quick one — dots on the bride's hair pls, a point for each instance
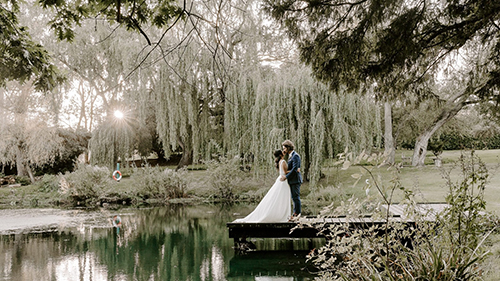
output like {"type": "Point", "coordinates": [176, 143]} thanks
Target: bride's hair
{"type": "Point", "coordinates": [277, 157]}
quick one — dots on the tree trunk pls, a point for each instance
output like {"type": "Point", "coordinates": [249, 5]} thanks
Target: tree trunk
{"type": "Point", "coordinates": [187, 152]}
{"type": "Point", "coordinates": [30, 173]}
{"type": "Point", "coordinates": [21, 168]}
{"type": "Point", "coordinates": [186, 159]}
{"type": "Point", "coordinates": [2, 111]}
{"type": "Point", "coordinates": [452, 107]}
{"type": "Point", "coordinates": [389, 149]}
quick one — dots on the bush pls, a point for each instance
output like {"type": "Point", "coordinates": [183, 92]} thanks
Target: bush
{"type": "Point", "coordinates": [49, 183]}
{"type": "Point", "coordinates": [160, 184]}
{"type": "Point", "coordinates": [224, 175]}
{"type": "Point", "coordinates": [23, 180]}
{"type": "Point", "coordinates": [86, 184]}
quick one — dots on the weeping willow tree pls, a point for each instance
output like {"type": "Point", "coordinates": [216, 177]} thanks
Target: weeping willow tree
{"type": "Point", "coordinates": [265, 107]}
{"type": "Point", "coordinates": [209, 94]}
{"type": "Point", "coordinates": [196, 66]}
{"type": "Point", "coordinates": [113, 141]}
{"type": "Point", "coordinates": [182, 116]}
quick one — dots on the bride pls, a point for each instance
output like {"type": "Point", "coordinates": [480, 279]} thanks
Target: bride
{"type": "Point", "coordinates": [275, 206]}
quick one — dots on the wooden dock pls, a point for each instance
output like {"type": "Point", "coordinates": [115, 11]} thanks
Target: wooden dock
{"type": "Point", "coordinates": [241, 231]}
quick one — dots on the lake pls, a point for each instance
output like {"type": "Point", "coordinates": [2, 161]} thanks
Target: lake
{"type": "Point", "coordinates": [175, 242]}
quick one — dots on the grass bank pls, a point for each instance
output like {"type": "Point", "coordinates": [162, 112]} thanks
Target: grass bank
{"type": "Point", "coordinates": [198, 184]}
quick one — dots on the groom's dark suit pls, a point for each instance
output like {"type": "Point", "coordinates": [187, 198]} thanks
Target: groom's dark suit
{"type": "Point", "coordinates": [294, 180]}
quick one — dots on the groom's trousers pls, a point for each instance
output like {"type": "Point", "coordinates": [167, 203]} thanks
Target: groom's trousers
{"type": "Point", "coordinates": [295, 190]}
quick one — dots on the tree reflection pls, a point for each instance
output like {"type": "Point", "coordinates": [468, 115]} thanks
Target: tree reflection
{"type": "Point", "coordinates": [159, 243]}
{"type": "Point", "coordinates": [168, 243]}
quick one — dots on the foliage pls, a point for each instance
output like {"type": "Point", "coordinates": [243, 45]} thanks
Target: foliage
{"type": "Point", "coordinates": [347, 43]}
{"type": "Point", "coordinates": [458, 141]}
{"type": "Point", "coordinates": [224, 175]}
{"type": "Point", "coordinates": [199, 100]}
{"type": "Point", "coordinates": [436, 146]}
{"type": "Point", "coordinates": [159, 183]}
{"type": "Point", "coordinates": [28, 140]}
{"type": "Point", "coordinates": [23, 59]}
{"type": "Point", "coordinates": [33, 143]}
{"type": "Point", "coordinates": [404, 49]}
{"type": "Point", "coordinates": [111, 141]}
{"type": "Point", "coordinates": [451, 249]}
{"type": "Point", "coordinates": [269, 107]}
{"type": "Point", "coordinates": [73, 144]}
{"type": "Point", "coordinates": [467, 205]}
{"type": "Point", "coordinates": [69, 14]}
{"type": "Point", "coordinates": [86, 184]}
{"type": "Point", "coordinates": [23, 180]}
{"type": "Point", "coordinates": [48, 183]}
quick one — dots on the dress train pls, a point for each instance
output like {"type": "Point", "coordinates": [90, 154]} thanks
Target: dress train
{"type": "Point", "coordinates": [275, 206]}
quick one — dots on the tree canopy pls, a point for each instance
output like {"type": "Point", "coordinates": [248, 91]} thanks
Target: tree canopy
{"type": "Point", "coordinates": [132, 14]}
{"type": "Point", "coordinates": [21, 58]}
{"type": "Point", "coordinates": [396, 43]}
{"type": "Point", "coordinates": [402, 48]}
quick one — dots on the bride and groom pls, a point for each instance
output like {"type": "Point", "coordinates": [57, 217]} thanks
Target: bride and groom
{"type": "Point", "coordinates": [275, 206]}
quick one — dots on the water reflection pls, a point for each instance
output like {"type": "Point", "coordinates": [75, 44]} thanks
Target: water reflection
{"type": "Point", "coordinates": [168, 243]}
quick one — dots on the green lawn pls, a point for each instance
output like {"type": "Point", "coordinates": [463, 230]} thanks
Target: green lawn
{"type": "Point", "coordinates": [427, 182]}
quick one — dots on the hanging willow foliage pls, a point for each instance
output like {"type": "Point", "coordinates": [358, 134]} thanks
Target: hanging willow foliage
{"type": "Point", "coordinates": [187, 107]}
{"type": "Point", "coordinates": [264, 108]}
{"type": "Point", "coordinates": [115, 140]}
{"type": "Point", "coordinates": [238, 107]}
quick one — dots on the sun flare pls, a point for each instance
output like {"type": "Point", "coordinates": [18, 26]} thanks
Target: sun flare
{"type": "Point", "coordinates": [119, 114]}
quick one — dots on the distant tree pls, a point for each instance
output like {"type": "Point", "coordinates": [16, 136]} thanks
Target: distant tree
{"type": "Point", "coordinates": [73, 144]}
{"type": "Point", "coordinates": [27, 140]}
{"type": "Point", "coordinates": [400, 45]}
{"type": "Point", "coordinates": [114, 139]}
{"type": "Point", "coordinates": [268, 106]}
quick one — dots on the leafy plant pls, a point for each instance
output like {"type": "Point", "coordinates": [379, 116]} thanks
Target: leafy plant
{"type": "Point", "coordinates": [86, 184]}
{"type": "Point", "coordinates": [436, 146]}
{"type": "Point", "coordinates": [23, 180]}
{"type": "Point", "coordinates": [160, 183]}
{"type": "Point", "coordinates": [48, 183]}
{"type": "Point", "coordinates": [452, 248]}
{"type": "Point", "coordinates": [224, 175]}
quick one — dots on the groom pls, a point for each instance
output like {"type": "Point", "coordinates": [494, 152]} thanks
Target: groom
{"type": "Point", "coordinates": [294, 177]}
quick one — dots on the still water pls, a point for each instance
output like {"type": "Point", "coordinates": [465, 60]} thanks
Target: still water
{"type": "Point", "coordinates": [164, 243]}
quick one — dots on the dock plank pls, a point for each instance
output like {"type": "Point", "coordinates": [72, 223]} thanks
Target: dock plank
{"type": "Point", "coordinates": [241, 231]}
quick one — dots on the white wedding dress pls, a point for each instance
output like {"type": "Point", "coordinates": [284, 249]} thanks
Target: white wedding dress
{"type": "Point", "coordinates": [275, 206]}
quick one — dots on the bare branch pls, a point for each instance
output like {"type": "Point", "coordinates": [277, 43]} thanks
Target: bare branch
{"type": "Point", "coordinates": [141, 31]}
{"type": "Point", "coordinates": [156, 45]}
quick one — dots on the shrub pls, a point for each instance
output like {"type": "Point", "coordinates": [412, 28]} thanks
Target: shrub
{"type": "Point", "coordinates": [224, 175]}
{"type": "Point", "coordinates": [48, 183]}
{"type": "Point", "coordinates": [160, 183]}
{"type": "Point", "coordinates": [86, 184]}
{"type": "Point", "coordinates": [23, 180]}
